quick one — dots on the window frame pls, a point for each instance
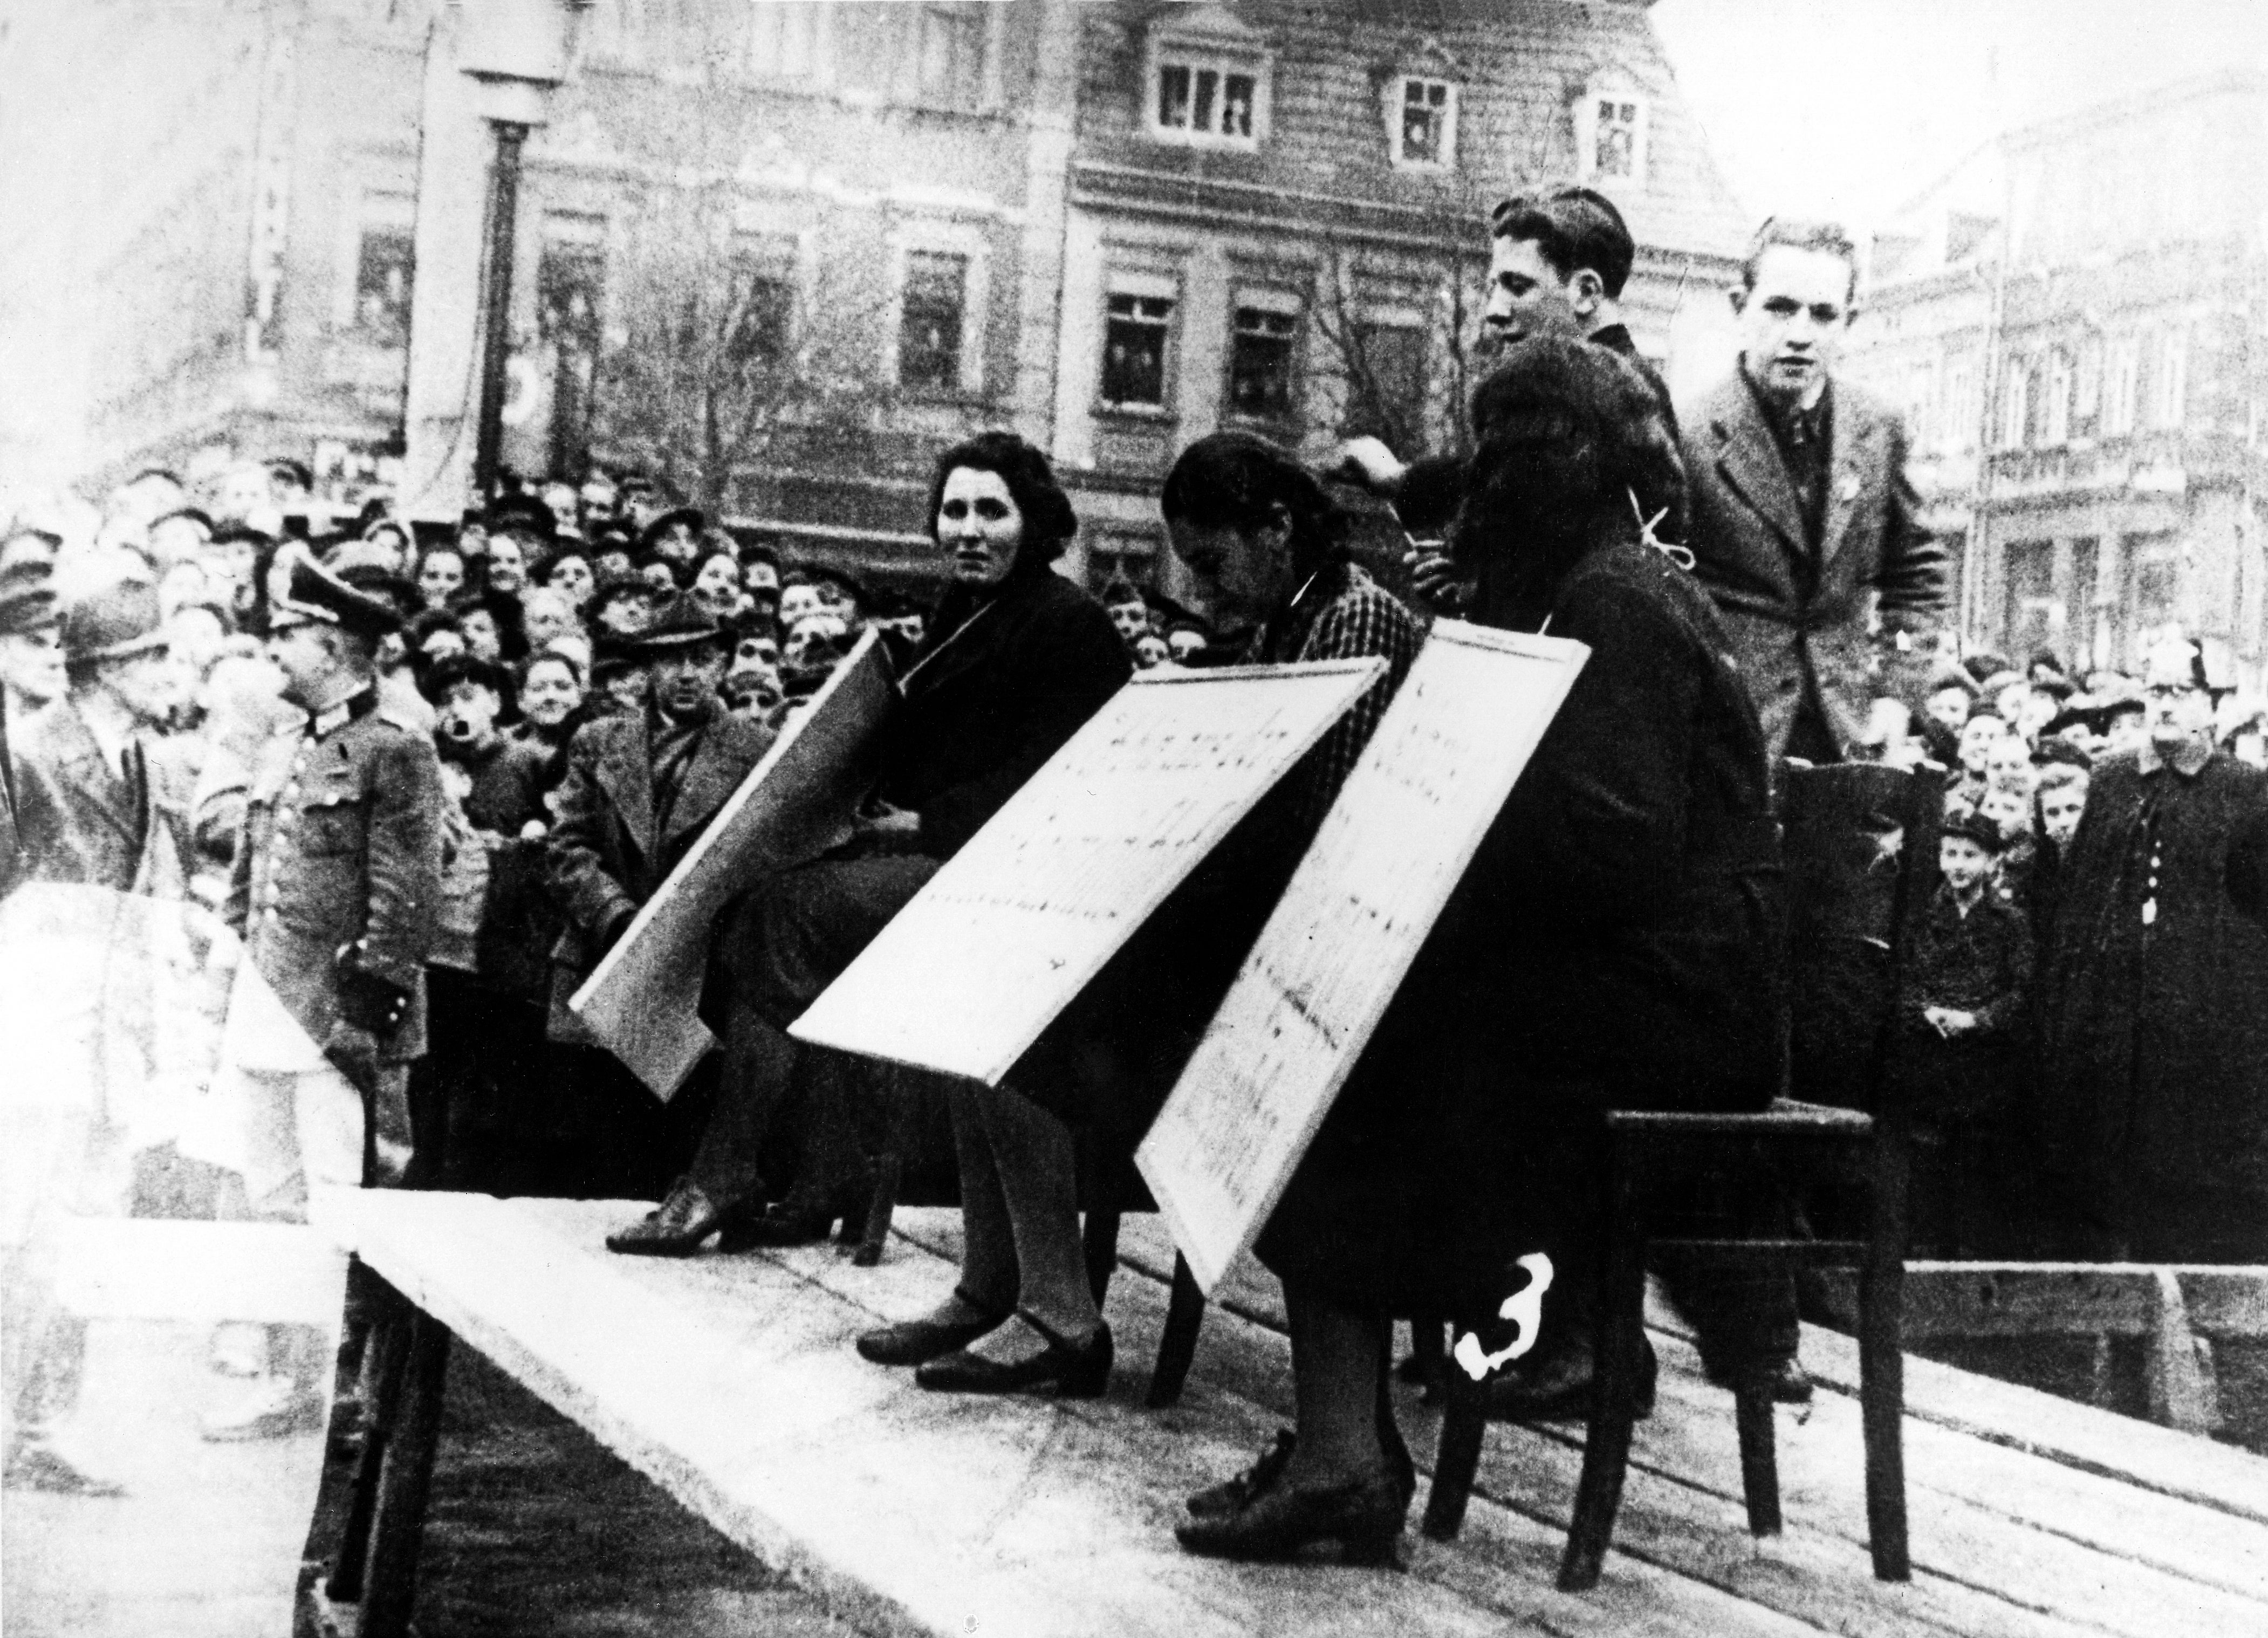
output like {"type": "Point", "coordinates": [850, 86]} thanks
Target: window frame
{"type": "Point", "coordinates": [1124, 284]}
{"type": "Point", "coordinates": [1398, 93]}
{"type": "Point", "coordinates": [820, 44]}
{"type": "Point", "coordinates": [1617, 89]}
{"type": "Point", "coordinates": [944, 238]}
{"type": "Point", "coordinates": [1222, 54]}
{"type": "Point", "coordinates": [1268, 303]}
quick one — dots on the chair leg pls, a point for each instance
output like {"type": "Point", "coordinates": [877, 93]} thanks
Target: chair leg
{"type": "Point", "coordinates": [398, 1530]}
{"type": "Point", "coordinates": [1621, 1345]}
{"type": "Point", "coordinates": [1100, 1243]}
{"type": "Point", "coordinates": [1882, 1362]}
{"type": "Point", "coordinates": [1184, 1313]}
{"type": "Point", "coordinates": [1464, 1424]}
{"type": "Point", "coordinates": [1752, 1412]}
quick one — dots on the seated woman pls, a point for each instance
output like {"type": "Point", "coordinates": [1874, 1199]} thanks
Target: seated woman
{"type": "Point", "coordinates": [1265, 543]}
{"type": "Point", "coordinates": [1017, 659]}
{"type": "Point", "coordinates": [1612, 945]}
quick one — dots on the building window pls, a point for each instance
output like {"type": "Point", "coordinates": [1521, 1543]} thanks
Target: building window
{"type": "Point", "coordinates": [1207, 100]}
{"type": "Point", "coordinates": [1127, 557]}
{"type": "Point", "coordinates": [951, 55]}
{"type": "Point", "coordinates": [1957, 414]}
{"type": "Point", "coordinates": [2169, 382]}
{"type": "Point", "coordinates": [759, 323]}
{"type": "Point", "coordinates": [2016, 401]}
{"type": "Point", "coordinates": [1423, 124]}
{"type": "Point", "coordinates": [785, 39]}
{"type": "Point", "coordinates": [1610, 134]}
{"type": "Point", "coordinates": [929, 331]}
{"type": "Point", "coordinates": [2055, 415]}
{"type": "Point", "coordinates": [2087, 388]}
{"type": "Point", "coordinates": [2035, 615]}
{"type": "Point", "coordinates": [1260, 358]}
{"type": "Point", "coordinates": [1136, 329]}
{"type": "Point", "coordinates": [386, 271]}
{"type": "Point", "coordinates": [2121, 387]}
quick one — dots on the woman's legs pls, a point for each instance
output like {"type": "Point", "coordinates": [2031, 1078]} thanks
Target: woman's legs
{"type": "Point", "coordinates": [1338, 1357]}
{"type": "Point", "coordinates": [1036, 1171]}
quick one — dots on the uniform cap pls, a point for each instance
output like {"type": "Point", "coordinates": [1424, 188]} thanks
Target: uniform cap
{"type": "Point", "coordinates": [300, 591]}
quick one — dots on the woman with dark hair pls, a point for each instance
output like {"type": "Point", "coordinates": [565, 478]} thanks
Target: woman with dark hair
{"type": "Point", "coordinates": [568, 573]}
{"type": "Point", "coordinates": [1612, 945]}
{"type": "Point", "coordinates": [1017, 658]}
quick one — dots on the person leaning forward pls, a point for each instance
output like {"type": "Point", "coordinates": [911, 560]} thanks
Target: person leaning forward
{"type": "Point", "coordinates": [1803, 523]}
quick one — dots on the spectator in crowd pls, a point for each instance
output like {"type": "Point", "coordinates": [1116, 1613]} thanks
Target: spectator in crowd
{"type": "Point", "coordinates": [1187, 643]}
{"type": "Point", "coordinates": [639, 788]}
{"type": "Point", "coordinates": [800, 598]}
{"type": "Point", "coordinates": [568, 573]}
{"type": "Point", "coordinates": [551, 701]}
{"type": "Point", "coordinates": [483, 634]}
{"type": "Point", "coordinates": [506, 574]}
{"type": "Point", "coordinates": [622, 607]}
{"type": "Point", "coordinates": [31, 639]}
{"type": "Point", "coordinates": [717, 585]}
{"type": "Point", "coordinates": [1805, 528]}
{"type": "Point", "coordinates": [2152, 1117]}
{"type": "Point", "coordinates": [842, 594]}
{"type": "Point", "coordinates": [1019, 658]}
{"type": "Point", "coordinates": [2058, 801]}
{"type": "Point", "coordinates": [1968, 981]}
{"type": "Point", "coordinates": [1151, 652]}
{"type": "Point", "coordinates": [474, 704]}
{"type": "Point", "coordinates": [760, 576]}
{"type": "Point", "coordinates": [437, 633]}
{"type": "Point", "coordinates": [1129, 612]}
{"type": "Point", "coordinates": [674, 540]}
{"type": "Point", "coordinates": [2126, 726]}
{"type": "Point", "coordinates": [547, 616]}
{"type": "Point", "coordinates": [440, 577]}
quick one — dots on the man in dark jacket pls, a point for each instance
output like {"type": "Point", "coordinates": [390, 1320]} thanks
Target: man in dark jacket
{"type": "Point", "coordinates": [1803, 524]}
{"type": "Point", "coordinates": [2152, 1112]}
{"type": "Point", "coordinates": [640, 789]}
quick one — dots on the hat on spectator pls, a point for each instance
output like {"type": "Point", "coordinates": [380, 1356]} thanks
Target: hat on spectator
{"type": "Point", "coordinates": [522, 512]}
{"type": "Point", "coordinates": [2052, 751]}
{"type": "Point", "coordinates": [1978, 828]}
{"type": "Point", "coordinates": [452, 669]}
{"type": "Point", "coordinates": [1952, 676]}
{"type": "Point", "coordinates": [683, 625]}
{"type": "Point", "coordinates": [301, 592]}
{"type": "Point", "coordinates": [27, 597]}
{"type": "Point", "coordinates": [113, 612]}
{"type": "Point", "coordinates": [692, 517]}
{"type": "Point", "coordinates": [1985, 708]}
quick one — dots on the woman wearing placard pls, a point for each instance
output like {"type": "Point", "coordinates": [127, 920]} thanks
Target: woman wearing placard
{"type": "Point", "coordinates": [1265, 544]}
{"type": "Point", "coordinates": [1612, 945]}
{"type": "Point", "coordinates": [1018, 657]}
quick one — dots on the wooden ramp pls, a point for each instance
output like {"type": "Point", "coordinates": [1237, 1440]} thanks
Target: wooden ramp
{"type": "Point", "coordinates": [731, 1383]}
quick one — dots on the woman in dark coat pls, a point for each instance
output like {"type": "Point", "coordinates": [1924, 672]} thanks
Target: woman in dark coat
{"type": "Point", "coordinates": [1017, 659]}
{"type": "Point", "coordinates": [1612, 945]}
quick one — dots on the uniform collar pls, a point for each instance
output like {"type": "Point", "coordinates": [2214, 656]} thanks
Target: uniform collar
{"type": "Point", "coordinates": [2189, 758]}
{"type": "Point", "coordinates": [361, 703]}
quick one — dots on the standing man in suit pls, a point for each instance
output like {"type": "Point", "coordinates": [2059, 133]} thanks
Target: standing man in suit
{"type": "Point", "coordinates": [640, 789]}
{"type": "Point", "coordinates": [1803, 526]}
{"type": "Point", "coordinates": [334, 892]}
{"type": "Point", "coordinates": [99, 804]}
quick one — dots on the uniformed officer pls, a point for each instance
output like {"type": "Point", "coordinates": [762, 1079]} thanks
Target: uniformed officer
{"type": "Point", "coordinates": [334, 892]}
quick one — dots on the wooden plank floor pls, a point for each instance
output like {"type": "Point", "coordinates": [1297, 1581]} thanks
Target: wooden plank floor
{"type": "Point", "coordinates": [730, 1381]}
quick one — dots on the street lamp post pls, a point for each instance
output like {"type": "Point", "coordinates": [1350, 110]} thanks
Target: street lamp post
{"type": "Point", "coordinates": [518, 52]}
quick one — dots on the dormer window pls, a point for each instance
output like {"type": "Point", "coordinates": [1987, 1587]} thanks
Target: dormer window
{"type": "Point", "coordinates": [1208, 81]}
{"type": "Point", "coordinates": [1422, 123]}
{"type": "Point", "coordinates": [1610, 130]}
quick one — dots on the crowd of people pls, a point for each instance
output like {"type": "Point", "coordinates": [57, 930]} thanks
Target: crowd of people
{"type": "Point", "coordinates": [430, 777]}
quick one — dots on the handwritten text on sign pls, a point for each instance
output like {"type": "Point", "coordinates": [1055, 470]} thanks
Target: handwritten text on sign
{"type": "Point", "coordinates": [1007, 934]}
{"type": "Point", "coordinates": [1406, 824]}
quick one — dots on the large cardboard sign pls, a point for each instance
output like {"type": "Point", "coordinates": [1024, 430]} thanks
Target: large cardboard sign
{"type": "Point", "coordinates": [640, 1001]}
{"type": "Point", "coordinates": [1004, 937]}
{"type": "Point", "coordinates": [1406, 823]}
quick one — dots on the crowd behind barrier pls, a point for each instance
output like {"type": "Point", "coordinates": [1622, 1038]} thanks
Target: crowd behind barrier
{"type": "Point", "coordinates": [558, 693]}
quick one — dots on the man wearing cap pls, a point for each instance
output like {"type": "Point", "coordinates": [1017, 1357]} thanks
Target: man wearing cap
{"type": "Point", "coordinates": [2152, 1113]}
{"type": "Point", "coordinates": [100, 803]}
{"type": "Point", "coordinates": [640, 789]}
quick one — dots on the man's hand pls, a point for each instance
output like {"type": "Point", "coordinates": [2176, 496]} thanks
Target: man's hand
{"type": "Point", "coordinates": [356, 1053]}
{"type": "Point", "coordinates": [893, 830]}
{"type": "Point", "coordinates": [1435, 579]}
{"type": "Point", "coordinates": [1947, 1022]}
{"type": "Point", "coordinates": [1368, 462]}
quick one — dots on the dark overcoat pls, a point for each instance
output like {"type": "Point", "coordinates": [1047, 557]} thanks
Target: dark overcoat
{"type": "Point", "coordinates": [1798, 626]}
{"type": "Point", "coordinates": [607, 852]}
{"type": "Point", "coordinates": [993, 700]}
{"type": "Point", "coordinates": [1615, 943]}
{"type": "Point", "coordinates": [78, 820]}
{"type": "Point", "coordinates": [341, 852]}
{"type": "Point", "coordinates": [2153, 992]}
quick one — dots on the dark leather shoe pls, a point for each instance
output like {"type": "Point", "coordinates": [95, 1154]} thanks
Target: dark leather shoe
{"type": "Point", "coordinates": [1073, 1372]}
{"type": "Point", "coordinates": [1362, 1516]}
{"type": "Point", "coordinates": [918, 1341]}
{"type": "Point", "coordinates": [1561, 1390]}
{"type": "Point", "coordinates": [677, 1226]}
{"type": "Point", "coordinates": [1233, 1494]}
{"type": "Point", "coordinates": [1791, 1383]}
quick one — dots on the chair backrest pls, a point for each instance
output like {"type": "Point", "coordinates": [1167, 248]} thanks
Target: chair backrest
{"type": "Point", "coordinates": [1860, 844]}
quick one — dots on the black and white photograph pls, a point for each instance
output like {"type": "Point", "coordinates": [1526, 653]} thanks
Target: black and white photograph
{"type": "Point", "coordinates": [1133, 818]}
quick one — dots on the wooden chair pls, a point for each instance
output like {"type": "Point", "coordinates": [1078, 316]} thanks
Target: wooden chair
{"type": "Point", "coordinates": [1853, 905]}
{"type": "Point", "coordinates": [1120, 1186]}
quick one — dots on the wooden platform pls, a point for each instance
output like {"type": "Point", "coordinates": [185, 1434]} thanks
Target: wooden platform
{"type": "Point", "coordinates": [731, 1383]}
